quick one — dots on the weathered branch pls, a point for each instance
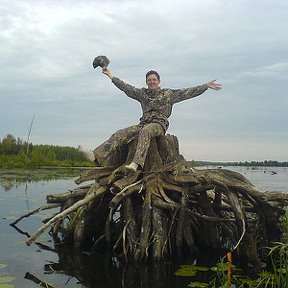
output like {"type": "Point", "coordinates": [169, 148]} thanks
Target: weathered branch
{"type": "Point", "coordinates": [61, 215]}
{"type": "Point", "coordinates": [45, 207]}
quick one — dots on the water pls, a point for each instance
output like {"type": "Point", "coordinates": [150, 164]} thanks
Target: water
{"type": "Point", "coordinates": [16, 200]}
{"type": "Point", "coordinates": [264, 178]}
{"type": "Point", "coordinates": [73, 269]}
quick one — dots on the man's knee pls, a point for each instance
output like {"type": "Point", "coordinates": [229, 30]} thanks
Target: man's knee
{"type": "Point", "coordinates": [152, 130]}
{"type": "Point", "coordinates": [126, 133]}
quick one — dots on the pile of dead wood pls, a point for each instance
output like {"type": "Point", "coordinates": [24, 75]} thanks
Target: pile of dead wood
{"type": "Point", "coordinates": [166, 210]}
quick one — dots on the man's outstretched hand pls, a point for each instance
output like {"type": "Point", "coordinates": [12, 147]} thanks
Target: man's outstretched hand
{"type": "Point", "coordinates": [107, 72]}
{"type": "Point", "coordinates": [213, 85]}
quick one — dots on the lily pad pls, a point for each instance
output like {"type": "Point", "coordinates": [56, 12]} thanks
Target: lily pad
{"type": "Point", "coordinates": [195, 268]}
{"type": "Point", "coordinates": [5, 279]}
{"type": "Point", "coordinates": [3, 266]}
{"type": "Point", "coordinates": [198, 285]}
{"type": "Point", "coordinates": [185, 272]}
{"type": "Point", "coordinates": [189, 270]}
{"type": "Point", "coordinates": [221, 267]}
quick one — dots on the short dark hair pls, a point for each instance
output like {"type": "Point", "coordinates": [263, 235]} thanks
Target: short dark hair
{"type": "Point", "coordinates": [153, 72]}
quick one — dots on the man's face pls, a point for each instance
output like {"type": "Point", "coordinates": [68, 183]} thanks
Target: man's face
{"type": "Point", "coordinates": [152, 82]}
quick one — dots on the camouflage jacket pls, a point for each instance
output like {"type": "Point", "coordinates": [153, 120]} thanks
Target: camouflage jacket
{"type": "Point", "coordinates": [157, 105]}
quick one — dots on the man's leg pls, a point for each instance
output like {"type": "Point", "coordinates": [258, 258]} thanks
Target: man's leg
{"type": "Point", "coordinates": [119, 138]}
{"type": "Point", "coordinates": [144, 139]}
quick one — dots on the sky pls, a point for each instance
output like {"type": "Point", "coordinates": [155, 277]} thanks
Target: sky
{"type": "Point", "coordinates": [47, 49]}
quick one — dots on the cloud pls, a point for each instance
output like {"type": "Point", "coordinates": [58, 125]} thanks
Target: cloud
{"type": "Point", "coordinates": [46, 54]}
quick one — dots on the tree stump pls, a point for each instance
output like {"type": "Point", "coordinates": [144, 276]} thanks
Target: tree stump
{"type": "Point", "coordinates": [166, 210]}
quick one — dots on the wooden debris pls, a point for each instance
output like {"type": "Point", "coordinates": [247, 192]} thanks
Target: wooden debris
{"type": "Point", "coordinates": [167, 210]}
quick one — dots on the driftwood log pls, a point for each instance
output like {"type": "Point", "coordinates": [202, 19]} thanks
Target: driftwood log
{"type": "Point", "coordinates": [166, 210]}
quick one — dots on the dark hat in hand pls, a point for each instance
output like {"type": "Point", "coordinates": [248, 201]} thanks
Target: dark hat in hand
{"type": "Point", "coordinates": [101, 61]}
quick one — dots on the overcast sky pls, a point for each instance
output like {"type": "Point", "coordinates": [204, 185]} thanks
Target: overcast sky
{"type": "Point", "coordinates": [47, 49]}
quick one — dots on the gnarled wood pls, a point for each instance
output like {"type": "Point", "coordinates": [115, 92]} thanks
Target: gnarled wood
{"type": "Point", "coordinates": [167, 209]}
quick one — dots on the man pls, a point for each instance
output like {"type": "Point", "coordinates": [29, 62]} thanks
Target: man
{"type": "Point", "coordinates": [156, 104]}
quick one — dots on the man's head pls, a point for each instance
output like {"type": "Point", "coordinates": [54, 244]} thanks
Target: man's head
{"type": "Point", "coordinates": [152, 80]}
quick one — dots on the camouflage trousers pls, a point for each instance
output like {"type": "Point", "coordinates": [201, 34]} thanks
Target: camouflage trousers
{"type": "Point", "coordinates": [144, 132]}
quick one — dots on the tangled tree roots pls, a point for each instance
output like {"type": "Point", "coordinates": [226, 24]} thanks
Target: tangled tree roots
{"type": "Point", "coordinates": [166, 210]}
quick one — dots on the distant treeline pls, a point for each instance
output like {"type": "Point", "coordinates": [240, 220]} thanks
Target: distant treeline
{"type": "Point", "coordinates": [18, 153]}
{"type": "Point", "coordinates": [265, 163]}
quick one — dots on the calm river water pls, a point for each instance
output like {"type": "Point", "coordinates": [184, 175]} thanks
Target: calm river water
{"type": "Point", "coordinates": [19, 195]}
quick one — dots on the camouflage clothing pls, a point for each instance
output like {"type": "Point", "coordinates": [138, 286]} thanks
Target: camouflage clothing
{"type": "Point", "coordinates": [157, 108]}
{"type": "Point", "coordinates": [126, 135]}
{"type": "Point", "coordinates": [157, 105]}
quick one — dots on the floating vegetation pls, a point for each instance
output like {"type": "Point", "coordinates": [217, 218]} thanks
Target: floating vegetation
{"type": "Point", "coordinates": [13, 177]}
{"type": "Point", "coordinates": [221, 267]}
{"type": "Point", "coordinates": [198, 285]}
{"type": "Point", "coordinates": [189, 270]}
{"type": "Point", "coordinates": [220, 275]}
{"type": "Point", "coordinates": [5, 280]}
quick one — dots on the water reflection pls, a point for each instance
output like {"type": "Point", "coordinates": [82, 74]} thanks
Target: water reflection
{"type": "Point", "coordinates": [103, 271]}
{"type": "Point", "coordinates": [90, 271]}
{"type": "Point", "coordinates": [106, 271]}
